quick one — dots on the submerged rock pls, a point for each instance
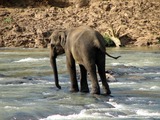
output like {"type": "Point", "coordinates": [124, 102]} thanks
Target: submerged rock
{"type": "Point", "coordinates": [12, 81]}
{"type": "Point", "coordinates": [1, 75]}
{"type": "Point", "coordinates": [110, 78]}
{"type": "Point", "coordinates": [23, 116]}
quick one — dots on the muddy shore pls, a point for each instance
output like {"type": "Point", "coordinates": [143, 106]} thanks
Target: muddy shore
{"type": "Point", "coordinates": [30, 26]}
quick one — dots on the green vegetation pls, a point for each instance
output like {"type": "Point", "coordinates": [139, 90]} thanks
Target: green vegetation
{"type": "Point", "coordinates": [8, 20]}
{"type": "Point", "coordinates": [109, 42]}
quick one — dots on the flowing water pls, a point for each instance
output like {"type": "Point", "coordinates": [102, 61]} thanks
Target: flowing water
{"type": "Point", "coordinates": [27, 90]}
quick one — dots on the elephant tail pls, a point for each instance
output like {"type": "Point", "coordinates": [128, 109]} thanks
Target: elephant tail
{"type": "Point", "coordinates": [100, 43]}
{"type": "Point", "coordinates": [112, 56]}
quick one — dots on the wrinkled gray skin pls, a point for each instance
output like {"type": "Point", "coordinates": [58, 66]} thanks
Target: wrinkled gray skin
{"type": "Point", "coordinates": [83, 46]}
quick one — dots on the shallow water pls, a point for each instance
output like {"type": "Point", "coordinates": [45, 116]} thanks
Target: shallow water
{"type": "Point", "coordinates": [28, 91]}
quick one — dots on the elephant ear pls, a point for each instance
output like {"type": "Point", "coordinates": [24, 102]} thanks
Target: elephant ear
{"type": "Point", "coordinates": [62, 38]}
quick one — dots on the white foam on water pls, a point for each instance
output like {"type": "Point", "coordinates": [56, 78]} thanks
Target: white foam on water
{"type": "Point", "coordinates": [116, 105]}
{"type": "Point", "coordinates": [86, 114]}
{"type": "Point", "coordinates": [151, 88]}
{"type": "Point", "coordinates": [139, 63]}
{"type": "Point", "coordinates": [143, 89]}
{"type": "Point", "coordinates": [142, 112]}
{"type": "Point", "coordinates": [155, 88]}
{"type": "Point", "coordinates": [151, 73]}
{"type": "Point", "coordinates": [122, 83]}
{"type": "Point", "coordinates": [2, 79]}
{"type": "Point", "coordinates": [115, 64]}
{"type": "Point", "coordinates": [12, 107]}
{"type": "Point", "coordinates": [29, 59]}
{"type": "Point", "coordinates": [108, 114]}
{"type": "Point", "coordinates": [81, 115]}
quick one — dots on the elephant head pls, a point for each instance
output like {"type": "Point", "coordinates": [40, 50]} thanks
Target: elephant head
{"type": "Point", "coordinates": [57, 44]}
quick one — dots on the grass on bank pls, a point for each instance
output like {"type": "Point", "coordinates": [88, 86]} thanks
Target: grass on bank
{"type": "Point", "coordinates": [109, 42]}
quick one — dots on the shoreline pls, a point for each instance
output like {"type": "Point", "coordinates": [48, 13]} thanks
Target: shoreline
{"type": "Point", "coordinates": [30, 27]}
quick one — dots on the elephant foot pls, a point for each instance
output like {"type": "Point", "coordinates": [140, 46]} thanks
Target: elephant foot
{"type": "Point", "coordinates": [107, 92]}
{"type": "Point", "coordinates": [95, 91]}
{"type": "Point", "coordinates": [85, 90]}
{"type": "Point", "coordinates": [74, 90]}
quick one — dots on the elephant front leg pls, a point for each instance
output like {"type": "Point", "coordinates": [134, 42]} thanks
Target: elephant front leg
{"type": "Point", "coordinates": [83, 79]}
{"type": "Point", "coordinates": [72, 71]}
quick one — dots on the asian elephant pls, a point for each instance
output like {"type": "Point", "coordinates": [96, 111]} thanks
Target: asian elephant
{"type": "Point", "coordinates": [83, 46]}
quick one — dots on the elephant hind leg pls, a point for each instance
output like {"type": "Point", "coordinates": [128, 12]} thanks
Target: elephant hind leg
{"type": "Point", "coordinates": [101, 71]}
{"type": "Point", "coordinates": [83, 79]}
{"type": "Point", "coordinates": [91, 68]}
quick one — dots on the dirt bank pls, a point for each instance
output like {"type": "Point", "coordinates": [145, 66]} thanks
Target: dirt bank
{"type": "Point", "coordinates": [29, 25]}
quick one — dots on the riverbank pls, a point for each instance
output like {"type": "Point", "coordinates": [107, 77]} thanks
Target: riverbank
{"type": "Point", "coordinates": [30, 26]}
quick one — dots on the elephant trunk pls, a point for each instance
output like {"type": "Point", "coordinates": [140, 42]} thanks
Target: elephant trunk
{"type": "Point", "coordinates": [54, 67]}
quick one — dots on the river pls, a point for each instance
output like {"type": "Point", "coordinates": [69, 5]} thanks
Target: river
{"type": "Point", "coordinates": [27, 90]}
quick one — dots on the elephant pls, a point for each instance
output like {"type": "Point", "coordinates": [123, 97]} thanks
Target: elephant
{"type": "Point", "coordinates": [86, 47]}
